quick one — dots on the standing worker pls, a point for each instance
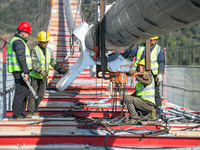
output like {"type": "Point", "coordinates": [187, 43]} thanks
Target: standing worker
{"type": "Point", "coordinates": [18, 62]}
{"type": "Point", "coordinates": [143, 99]}
{"type": "Point", "coordinates": [42, 58]}
{"type": "Point", "coordinates": [157, 65]}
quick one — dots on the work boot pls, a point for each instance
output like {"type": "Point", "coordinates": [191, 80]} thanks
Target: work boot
{"type": "Point", "coordinates": [29, 115]}
{"type": "Point", "coordinates": [153, 114]}
{"type": "Point", "coordinates": [35, 114]}
{"type": "Point", "coordinates": [134, 121]}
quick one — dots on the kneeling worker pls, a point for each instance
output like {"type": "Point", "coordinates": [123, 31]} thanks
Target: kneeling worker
{"type": "Point", "coordinates": [143, 99]}
{"type": "Point", "coordinates": [42, 58]}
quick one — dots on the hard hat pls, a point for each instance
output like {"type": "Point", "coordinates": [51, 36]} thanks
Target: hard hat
{"type": "Point", "coordinates": [24, 26]}
{"type": "Point", "coordinates": [142, 62]}
{"type": "Point", "coordinates": [42, 36]}
{"type": "Point", "coordinates": [154, 38]}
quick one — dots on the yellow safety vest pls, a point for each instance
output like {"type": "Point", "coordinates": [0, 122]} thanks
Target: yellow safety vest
{"type": "Point", "coordinates": [146, 93]}
{"type": "Point", "coordinates": [154, 56]}
{"type": "Point", "coordinates": [41, 61]}
{"type": "Point", "coordinates": [12, 62]}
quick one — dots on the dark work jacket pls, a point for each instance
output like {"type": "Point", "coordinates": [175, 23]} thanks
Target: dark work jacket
{"type": "Point", "coordinates": [19, 48]}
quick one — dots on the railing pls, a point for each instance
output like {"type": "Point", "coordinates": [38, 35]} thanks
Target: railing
{"type": "Point", "coordinates": [182, 86]}
{"type": "Point", "coordinates": [6, 83]}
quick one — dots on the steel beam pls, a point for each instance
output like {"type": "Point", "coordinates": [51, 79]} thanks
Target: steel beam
{"type": "Point", "coordinates": [100, 114]}
{"type": "Point", "coordinates": [114, 141]}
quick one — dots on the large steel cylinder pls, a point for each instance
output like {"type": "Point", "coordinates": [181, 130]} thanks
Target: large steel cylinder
{"type": "Point", "coordinates": [130, 21]}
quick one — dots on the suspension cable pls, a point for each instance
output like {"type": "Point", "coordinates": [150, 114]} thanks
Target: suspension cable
{"type": "Point", "coordinates": [71, 39]}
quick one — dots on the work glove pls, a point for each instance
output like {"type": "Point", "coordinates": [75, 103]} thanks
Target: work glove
{"type": "Point", "coordinates": [159, 78]}
{"type": "Point", "coordinates": [44, 74]}
{"type": "Point", "coordinates": [131, 72]}
{"type": "Point", "coordinates": [62, 71]}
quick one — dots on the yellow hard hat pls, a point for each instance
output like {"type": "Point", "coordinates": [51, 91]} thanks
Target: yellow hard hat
{"type": "Point", "coordinates": [142, 62]}
{"type": "Point", "coordinates": [154, 38]}
{"type": "Point", "coordinates": [42, 36]}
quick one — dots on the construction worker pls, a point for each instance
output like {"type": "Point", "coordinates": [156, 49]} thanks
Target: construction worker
{"type": "Point", "coordinates": [42, 58]}
{"type": "Point", "coordinates": [18, 62]}
{"type": "Point", "coordinates": [157, 65]}
{"type": "Point", "coordinates": [143, 99]}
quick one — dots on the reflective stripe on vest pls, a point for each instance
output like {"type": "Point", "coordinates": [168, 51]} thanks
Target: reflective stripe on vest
{"type": "Point", "coordinates": [41, 61]}
{"type": "Point", "coordinates": [154, 62]}
{"type": "Point", "coordinates": [138, 57]}
{"type": "Point", "coordinates": [12, 62]}
{"type": "Point", "coordinates": [154, 55]}
{"type": "Point", "coordinates": [146, 93]}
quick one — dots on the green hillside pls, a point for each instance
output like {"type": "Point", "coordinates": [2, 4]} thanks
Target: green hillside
{"type": "Point", "coordinates": [187, 40]}
{"type": "Point", "coordinates": [12, 12]}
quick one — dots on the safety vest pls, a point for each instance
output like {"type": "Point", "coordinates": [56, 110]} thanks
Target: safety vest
{"type": "Point", "coordinates": [146, 93]}
{"type": "Point", "coordinates": [154, 56]}
{"type": "Point", "coordinates": [12, 62]}
{"type": "Point", "coordinates": [41, 61]}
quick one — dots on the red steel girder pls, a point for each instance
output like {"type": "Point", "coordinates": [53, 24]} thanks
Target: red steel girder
{"type": "Point", "coordinates": [115, 127]}
{"type": "Point", "coordinates": [115, 141]}
{"type": "Point", "coordinates": [100, 114]}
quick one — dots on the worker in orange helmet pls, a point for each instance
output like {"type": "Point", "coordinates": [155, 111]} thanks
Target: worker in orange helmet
{"type": "Point", "coordinates": [157, 65]}
{"type": "Point", "coordinates": [19, 61]}
{"type": "Point", "coordinates": [42, 58]}
{"type": "Point", "coordinates": [143, 99]}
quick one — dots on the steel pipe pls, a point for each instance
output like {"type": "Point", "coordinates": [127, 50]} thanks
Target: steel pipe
{"type": "Point", "coordinates": [130, 21]}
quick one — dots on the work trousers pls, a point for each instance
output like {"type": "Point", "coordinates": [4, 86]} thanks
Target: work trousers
{"type": "Point", "coordinates": [20, 98]}
{"type": "Point", "coordinates": [135, 104]}
{"type": "Point", "coordinates": [157, 97]}
{"type": "Point", "coordinates": [39, 85]}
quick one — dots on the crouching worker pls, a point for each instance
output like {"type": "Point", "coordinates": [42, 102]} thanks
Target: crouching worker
{"type": "Point", "coordinates": [143, 99]}
{"type": "Point", "coordinates": [42, 58]}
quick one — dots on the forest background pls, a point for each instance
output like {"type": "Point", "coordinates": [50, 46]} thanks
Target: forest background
{"type": "Point", "coordinates": [183, 45]}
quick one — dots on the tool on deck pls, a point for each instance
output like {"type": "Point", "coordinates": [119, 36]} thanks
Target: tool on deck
{"type": "Point", "coordinates": [30, 87]}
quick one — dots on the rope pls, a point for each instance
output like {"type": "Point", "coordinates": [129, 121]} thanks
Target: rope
{"type": "Point", "coordinates": [185, 47]}
{"type": "Point", "coordinates": [6, 42]}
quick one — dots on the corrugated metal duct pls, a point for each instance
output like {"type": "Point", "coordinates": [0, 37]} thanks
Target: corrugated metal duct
{"type": "Point", "coordinates": [130, 21]}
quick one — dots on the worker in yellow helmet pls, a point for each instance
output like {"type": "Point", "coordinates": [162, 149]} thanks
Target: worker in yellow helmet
{"type": "Point", "coordinates": [143, 99]}
{"type": "Point", "coordinates": [154, 38]}
{"type": "Point", "coordinates": [157, 65]}
{"type": "Point", "coordinates": [42, 59]}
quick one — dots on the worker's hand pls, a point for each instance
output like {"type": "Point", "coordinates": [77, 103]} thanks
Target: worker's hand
{"type": "Point", "coordinates": [44, 74]}
{"type": "Point", "coordinates": [131, 72]}
{"type": "Point", "coordinates": [159, 78]}
{"type": "Point", "coordinates": [25, 77]}
{"type": "Point", "coordinates": [62, 71]}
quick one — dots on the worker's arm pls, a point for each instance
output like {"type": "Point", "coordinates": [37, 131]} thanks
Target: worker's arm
{"type": "Point", "coordinates": [35, 61]}
{"type": "Point", "coordinates": [161, 61]}
{"type": "Point", "coordinates": [56, 65]}
{"type": "Point", "coordinates": [19, 48]}
{"type": "Point", "coordinates": [144, 81]}
{"type": "Point", "coordinates": [130, 53]}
